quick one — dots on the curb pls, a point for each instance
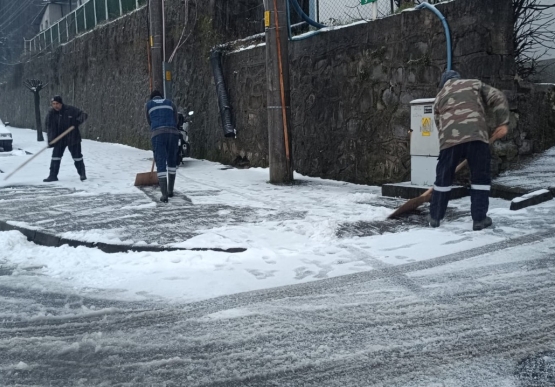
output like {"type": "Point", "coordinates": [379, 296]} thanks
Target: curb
{"type": "Point", "coordinates": [506, 192]}
{"type": "Point", "coordinates": [531, 199]}
{"type": "Point", "coordinates": [404, 191]}
{"type": "Point", "coordinates": [49, 240]}
{"type": "Point", "coordinates": [500, 191]}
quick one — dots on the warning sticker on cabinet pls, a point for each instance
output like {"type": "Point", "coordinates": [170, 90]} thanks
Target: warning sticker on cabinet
{"type": "Point", "coordinates": [426, 128]}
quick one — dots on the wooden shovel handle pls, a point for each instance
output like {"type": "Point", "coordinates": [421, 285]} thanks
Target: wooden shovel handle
{"type": "Point", "coordinates": [459, 167]}
{"type": "Point", "coordinates": [61, 136]}
{"type": "Point", "coordinates": [428, 192]}
{"type": "Point", "coordinates": [42, 150]}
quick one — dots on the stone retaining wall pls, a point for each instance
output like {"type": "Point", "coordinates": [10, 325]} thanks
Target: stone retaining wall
{"type": "Point", "coordinates": [351, 86]}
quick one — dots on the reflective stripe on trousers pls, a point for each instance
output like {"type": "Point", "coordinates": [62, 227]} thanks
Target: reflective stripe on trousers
{"type": "Point", "coordinates": [165, 146]}
{"type": "Point", "coordinates": [479, 158]}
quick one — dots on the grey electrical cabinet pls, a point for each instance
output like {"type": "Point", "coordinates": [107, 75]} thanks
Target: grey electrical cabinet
{"type": "Point", "coordinates": [424, 142]}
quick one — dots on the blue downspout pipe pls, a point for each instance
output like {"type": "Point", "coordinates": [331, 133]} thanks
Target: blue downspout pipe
{"type": "Point", "coordinates": [304, 16]}
{"type": "Point", "coordinates": [289, 30]}
{"type": "Point", "coordinates": [447, 31]}
{"type": "Point", "coordinates": [291, 37]}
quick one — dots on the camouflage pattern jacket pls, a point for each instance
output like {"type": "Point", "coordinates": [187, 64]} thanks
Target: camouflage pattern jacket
{"type": "Point", "coordinates": [461, 110]}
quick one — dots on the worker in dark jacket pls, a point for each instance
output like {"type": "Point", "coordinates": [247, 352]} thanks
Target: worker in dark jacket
{"type": "Point", "coordinates": [60, 118]}
{"type": "Point", "coordinates": [161, 115]}
{"type": "Point", "coordinates": [461, 109]}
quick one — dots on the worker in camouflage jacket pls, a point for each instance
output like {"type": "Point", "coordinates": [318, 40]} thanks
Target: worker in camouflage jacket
{"type": "Point", "coordinates": [461, 108]}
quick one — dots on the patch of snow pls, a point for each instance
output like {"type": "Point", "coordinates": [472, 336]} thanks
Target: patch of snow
{"type": "Point", "coordinates": [280, 251]}
{"type": "Point", "coordinates": [530, 195]}
{"type": "Point", "coordinates": [21, 366]}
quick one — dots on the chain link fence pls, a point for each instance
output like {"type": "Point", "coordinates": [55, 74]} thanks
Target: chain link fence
{"type": "Point", "coordinates": [246, 19]}
{"type": "Point", "coordinates": [82, 19]}
{"type": "Point", "coordinates": [342, 12]}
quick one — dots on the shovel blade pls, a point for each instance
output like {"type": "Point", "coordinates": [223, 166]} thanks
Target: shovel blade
{"type": "Point", "coordinates": [411, 205]}
{"type": "Point", "coordinates": [146, 179]}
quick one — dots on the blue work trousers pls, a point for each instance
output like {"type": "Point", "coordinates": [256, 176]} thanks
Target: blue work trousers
{"type": "Point", "coordinates": [479, 161]}
{"type": "Point", "coordinates": [164, 147]}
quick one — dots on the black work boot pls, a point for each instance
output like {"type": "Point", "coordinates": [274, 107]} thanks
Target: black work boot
{"type": "Point", "coordinates": [171, 183]}
{"type": "Point", "coordinates": [54, 169]}
{"type": "Point", "coordinates": [163, 181]}
{"type": "Point", "coordinates": [433, 223]}
{"type": "Point", "coordinates": [480, 225]}
{"type": "Point", "coordinates": [80, 166]}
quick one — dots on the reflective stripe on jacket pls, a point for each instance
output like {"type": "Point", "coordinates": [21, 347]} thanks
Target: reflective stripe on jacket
{"type": "Point", "coordinates": [161, 113]}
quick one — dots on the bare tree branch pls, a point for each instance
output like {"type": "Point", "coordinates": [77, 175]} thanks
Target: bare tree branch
{"type": "Point", "coordinates": [534, 35]}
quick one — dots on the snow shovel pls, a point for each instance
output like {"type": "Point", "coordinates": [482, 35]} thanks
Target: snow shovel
{"type": "Point", "coordinates": [147, 178]}
{"type": "Point", "coordinates": [426, 197]}
{"type": "Point", "coordinates": [42, 150]}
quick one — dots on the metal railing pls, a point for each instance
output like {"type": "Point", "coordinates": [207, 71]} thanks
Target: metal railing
{"type": "Point", "coordinates": [95, 12]}
{"type": "Point", "coordinates": [80, 20]}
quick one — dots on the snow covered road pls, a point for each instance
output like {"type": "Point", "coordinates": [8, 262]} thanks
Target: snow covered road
{"type": "Point", "coordinates": [483, 318]}
{"type": "Point", "coordinates": [326, 291]}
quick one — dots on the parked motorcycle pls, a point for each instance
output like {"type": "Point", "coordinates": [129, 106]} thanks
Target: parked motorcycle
{"type": "Point", "coordinates": [183, 125]}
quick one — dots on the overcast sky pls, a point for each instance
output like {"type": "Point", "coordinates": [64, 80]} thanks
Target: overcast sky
{"type": "Point", "coordinates": [551, 53]}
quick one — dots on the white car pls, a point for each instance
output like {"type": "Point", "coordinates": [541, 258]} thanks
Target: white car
{"type": "Point", "coordinates": [6, 140]}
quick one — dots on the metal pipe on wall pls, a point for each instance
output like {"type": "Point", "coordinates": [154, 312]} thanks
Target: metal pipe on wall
{"type": "Point", "coordinates": [445, 26]}
{"type": "Point", "coordinates": [163, 30]}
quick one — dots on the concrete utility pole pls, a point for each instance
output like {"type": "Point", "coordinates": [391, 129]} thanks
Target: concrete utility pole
{"type": "Point", "coordinates": [279, 105]}
{"type": "Point", "coordinates": [156, 41]}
